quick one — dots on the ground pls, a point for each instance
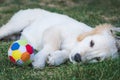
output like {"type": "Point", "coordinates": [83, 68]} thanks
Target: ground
{"type": "Point", "coordinates": [91, 12]}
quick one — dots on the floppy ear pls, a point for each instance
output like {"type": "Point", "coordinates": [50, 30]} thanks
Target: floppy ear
{"type": "Point", "coordinates": [118, 44]}
{"type": "Point", "coordinates": [117, 38]}
{"type": "Point", "coordinates": [97, 30]}
{"type": "Point", "coordinates": [116, 29]}
{"type": "Point", "coordinates": [82, 36]}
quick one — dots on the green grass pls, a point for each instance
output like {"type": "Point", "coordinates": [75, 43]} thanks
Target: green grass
{"type": "Point", "coordinates": [91, 12]}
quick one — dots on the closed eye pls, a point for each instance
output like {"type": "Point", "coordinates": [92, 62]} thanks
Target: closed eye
{"type": "Point", "coordinates": [92, 43]}
{"type": "Point", "coordinates": [97, 58]}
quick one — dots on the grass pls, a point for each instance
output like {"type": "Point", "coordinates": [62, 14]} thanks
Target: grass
{"type": "Point", "coordinates": [91, 12]}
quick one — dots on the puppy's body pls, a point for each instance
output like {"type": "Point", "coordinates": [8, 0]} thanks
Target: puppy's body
{"type": "Point", "coordinates": [58, 37]}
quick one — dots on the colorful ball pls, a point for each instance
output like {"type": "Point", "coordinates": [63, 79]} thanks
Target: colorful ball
{"type": "Point", "coordinates": [21, 52]}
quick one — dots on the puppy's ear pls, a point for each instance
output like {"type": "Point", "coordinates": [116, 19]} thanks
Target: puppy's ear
{"type": "Point", "coordinates": [116, 33]}
{"type": "Point", "coordinates": [118, 44]}
{"type": "Point", "coordinates": [116, 29]}
{"type": "Point", "coordinates": [86, 34]}
{"type": "Point", "coordinates": [82, 36]}
{"type": "Point", "coordinates": [98, 30]}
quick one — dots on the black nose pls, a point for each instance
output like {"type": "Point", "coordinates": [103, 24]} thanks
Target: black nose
{"type": "Point", "coordinates": [77, 57]}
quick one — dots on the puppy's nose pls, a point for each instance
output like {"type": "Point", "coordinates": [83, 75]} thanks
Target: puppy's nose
{"type": "Point", "coordinates": [77, 57]}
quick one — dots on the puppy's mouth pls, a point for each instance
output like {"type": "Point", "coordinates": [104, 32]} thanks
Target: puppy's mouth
{"type": "Point", "coordinates": [77, 58]}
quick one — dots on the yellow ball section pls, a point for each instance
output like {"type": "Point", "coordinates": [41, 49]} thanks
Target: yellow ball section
{"type": "Point", "coordinates": [16, 54]}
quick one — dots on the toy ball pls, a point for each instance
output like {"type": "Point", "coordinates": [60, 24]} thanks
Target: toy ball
{"type": "Point", "coordinates": [21, 52]}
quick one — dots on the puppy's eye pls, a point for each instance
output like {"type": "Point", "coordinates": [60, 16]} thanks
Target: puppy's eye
{"type": "Point", "coordinates": [98, 58]}
{"type": "Point", "coordinates": [92, 43]}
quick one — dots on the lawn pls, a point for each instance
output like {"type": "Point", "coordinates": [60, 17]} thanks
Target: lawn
{"type": "Point", "coordinates": [91, 12]}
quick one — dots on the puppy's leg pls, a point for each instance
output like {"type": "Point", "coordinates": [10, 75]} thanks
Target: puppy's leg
{"type": "Point", "coordinates": [51, 42]}
{"type": "Point", "coordinates": [40, 57]}
{"type": "Point", "coordinates": [58, 57]}
{"type": "Point", "coordinates": [18, 22]}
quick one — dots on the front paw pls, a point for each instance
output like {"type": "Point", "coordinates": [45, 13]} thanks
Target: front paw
{"type": "Point", "coordinates": [55, 58]}
{"type": "Point", "coordinates": [51, 60]}
{"type": "Point", "coordinates": [38, 62]}
{"type": "Point", "coordinates": [38, 65]}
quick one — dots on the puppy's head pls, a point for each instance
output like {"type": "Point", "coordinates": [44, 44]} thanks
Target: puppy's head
{"type": "Point", "coordinates": [95, 46]}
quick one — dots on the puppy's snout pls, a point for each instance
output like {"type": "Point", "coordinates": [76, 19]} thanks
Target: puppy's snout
{"type": "Point", "coordinates": [77, 57]}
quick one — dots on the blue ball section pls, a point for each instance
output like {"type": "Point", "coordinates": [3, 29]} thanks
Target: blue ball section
{"type": "Point", "coordinates": [15, 46]}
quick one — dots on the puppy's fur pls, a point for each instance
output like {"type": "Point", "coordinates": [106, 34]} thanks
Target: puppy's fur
{"type": "Point", "coordinates": [58, 37]}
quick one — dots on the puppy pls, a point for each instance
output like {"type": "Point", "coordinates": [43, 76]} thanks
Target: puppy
{"type": "Point", "coordinates": [58, 37]}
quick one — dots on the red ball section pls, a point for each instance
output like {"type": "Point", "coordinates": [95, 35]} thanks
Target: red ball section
{"type": "Point", "coordinates": [12, 59]}
{"type": "Point", "coordinates": [29, 49]}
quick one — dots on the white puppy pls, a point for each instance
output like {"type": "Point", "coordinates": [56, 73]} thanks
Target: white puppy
{"type": "Point", "coordinates": [58, 37]}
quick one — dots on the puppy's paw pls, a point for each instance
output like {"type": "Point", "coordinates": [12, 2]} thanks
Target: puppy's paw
{"type": "Point", "coordinates": [38, 62]}
{"type": "Point", "coordinates": [38, 65]}
{"type": "Point", "coordinates": [55, 58]}
{"type": "Point", "coordinates": [50, 60]}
